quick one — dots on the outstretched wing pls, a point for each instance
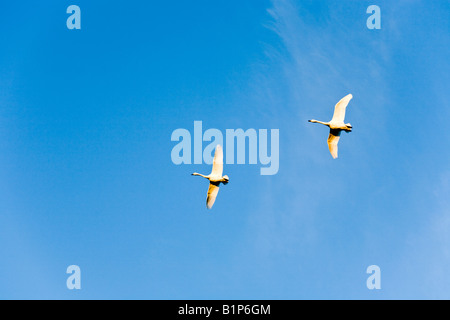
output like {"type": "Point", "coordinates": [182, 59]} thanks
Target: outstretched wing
{"type": "Point", "coordinates": [217, 168]}
{"type": "Point", "coordinates": [333, 140]}
{"type": "Point", "coordinates": [212, 194]}
{"type": "Point", "coordinates": [339, 109]}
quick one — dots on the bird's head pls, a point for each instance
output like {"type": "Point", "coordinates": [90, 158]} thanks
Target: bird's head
{"type": "Point", "coordinates": [349, 126]}
{"type": "Point", "coordinates": [225, 179]}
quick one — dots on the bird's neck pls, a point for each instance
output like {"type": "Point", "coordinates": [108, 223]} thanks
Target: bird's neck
{"type": "Point", "coordinates": [201, 175]}
{"type": "Point", "coordinates": [321, 122]}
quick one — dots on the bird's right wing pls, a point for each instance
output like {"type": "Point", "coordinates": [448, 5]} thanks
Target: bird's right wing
{"type": "Point", "coordinates": [212, 194]}
{"type": "Point", "coordinates": [339, 109]}
{"type": "Point", "coordinates": [217, 168]}
{"type": "Point", "coordinates": [333, 140]}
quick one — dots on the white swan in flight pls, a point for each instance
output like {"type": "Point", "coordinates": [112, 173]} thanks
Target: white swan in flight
{"type": "Point", "coordinates": [215, 178]}
{"type": "Point", "coordinates": [337, 124]}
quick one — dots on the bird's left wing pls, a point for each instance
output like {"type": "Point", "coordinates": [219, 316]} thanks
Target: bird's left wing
{"type": "Point", "coordinates": [333, 140]}
{"type": "Point", "coordinates": [339, 109]}
{"type": "Point", "coordinates": [212, 194]}
{"type": "Point", "coordinates": [217, 168]}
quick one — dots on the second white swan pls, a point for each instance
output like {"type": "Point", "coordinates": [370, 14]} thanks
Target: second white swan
{"type": "Point", "coordinates": [336, 125]}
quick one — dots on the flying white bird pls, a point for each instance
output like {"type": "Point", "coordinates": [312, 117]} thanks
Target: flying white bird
{"type": "Point", "coordinates": [336, 125]}
{"type": "Point", "coordinates": [215, 178]}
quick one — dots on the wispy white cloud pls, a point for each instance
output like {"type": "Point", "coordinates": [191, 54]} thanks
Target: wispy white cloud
{"type": "Point", "coordinates": [349, 208]}
{"type": "Point", "coordinates": [318, 64]}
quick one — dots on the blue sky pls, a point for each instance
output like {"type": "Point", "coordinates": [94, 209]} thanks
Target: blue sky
{"type": "Point", "coordinates": [86, 176]}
